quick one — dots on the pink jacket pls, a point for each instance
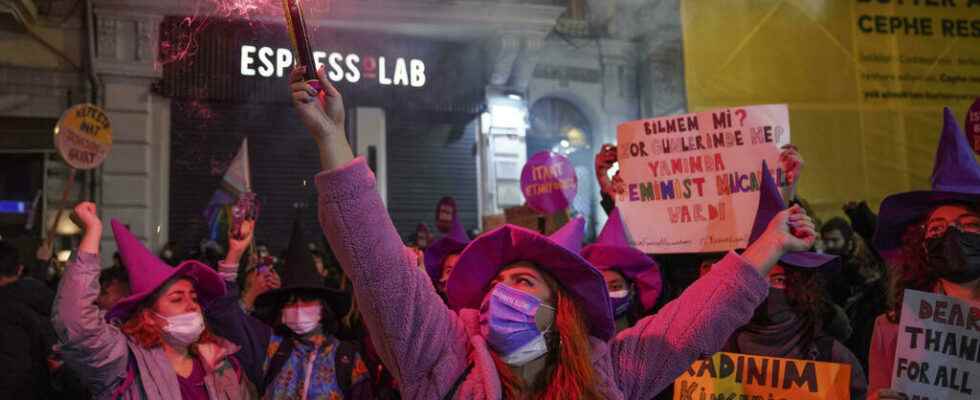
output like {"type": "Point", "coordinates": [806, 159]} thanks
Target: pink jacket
{"type": "Point", "coordinates": [427, 346]}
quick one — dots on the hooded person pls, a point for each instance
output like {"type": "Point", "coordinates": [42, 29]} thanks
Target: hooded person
{"type": "Point", "coordinates": [932, 238]}
{"type": "Point", "coordinates": [530, 317]}
{"type": "Point", "coordinates": [291, 351]}
{"type": "Point", "coordinates": [442, 255]}
{"type": "Point", "coordinates": [788, 323]}
{"type": "Point", "coordinates": [632, 278]}
{"type": "Point", "coordinates": [157, 345]}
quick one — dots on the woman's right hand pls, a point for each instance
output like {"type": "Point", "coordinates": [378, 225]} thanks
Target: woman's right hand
{"type": "Point", "coordinates": [888, 394]}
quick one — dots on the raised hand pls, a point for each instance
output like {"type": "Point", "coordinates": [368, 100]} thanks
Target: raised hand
{"type": "Point", "coordinates": [792, 162]}
{"type": "Point", "coordinates": [322, 112]}
{"type": "Point", "coordinates": [87, 214]}
{"type": "Point", "coordinates": [238, 243]}
{"type": "Point", "coordinates": [790, 230]}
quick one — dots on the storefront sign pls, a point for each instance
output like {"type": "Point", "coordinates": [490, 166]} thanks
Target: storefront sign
{"type": "Point", "coordinates": [83, 136]}
{"type": "Point", "coordinates": [266, 62]}
{"type": "Point", "coordinates": [742, 376]}
{"type": "Point", "coordinates": [692, 181]}
{"type": "Point", "coordinates": [937, 351]}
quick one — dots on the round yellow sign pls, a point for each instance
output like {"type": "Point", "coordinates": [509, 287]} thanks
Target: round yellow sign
{"type": "Point", "coordinates": [83, 136]}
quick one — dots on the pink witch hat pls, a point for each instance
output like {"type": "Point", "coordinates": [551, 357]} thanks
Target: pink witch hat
{"type": "Point", "coordinates": [612, 251]}
{"type": "Point", "coordinates": [147, 273]}
{"type": "Point", "coordinates": [558, 254]}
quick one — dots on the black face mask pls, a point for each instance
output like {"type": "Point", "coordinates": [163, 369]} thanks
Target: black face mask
{"type": "Point", "coordinates": [774, 310]}
{"type": "Point", "coordinates": [955, 256]}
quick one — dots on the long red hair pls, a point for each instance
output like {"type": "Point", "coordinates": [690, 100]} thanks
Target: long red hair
{"type": "Point", "coordinates": [147, 329]}
{"type": "Point", "coordinates": [569, 373]}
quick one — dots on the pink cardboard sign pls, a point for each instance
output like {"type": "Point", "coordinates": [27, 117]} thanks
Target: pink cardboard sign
{"type": "Point", "coordinates": [692, 181]}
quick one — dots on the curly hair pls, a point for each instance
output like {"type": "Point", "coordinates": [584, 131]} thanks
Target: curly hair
{"type": "Point", "coordinates": [146, 329]}
{"type": "Point", "coordinates": [914, 272]}
{"type": "Point", "coordinates": [806, 291]}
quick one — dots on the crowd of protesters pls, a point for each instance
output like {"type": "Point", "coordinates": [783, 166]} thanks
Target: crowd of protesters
{"type": "Point", "coordinates": [509, 313]}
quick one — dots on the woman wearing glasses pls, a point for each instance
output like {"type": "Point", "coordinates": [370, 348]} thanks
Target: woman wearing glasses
{"type": "Point", "coordinates": [936, 234]}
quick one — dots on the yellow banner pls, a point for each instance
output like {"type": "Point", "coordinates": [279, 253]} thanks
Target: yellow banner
{"type": "Point", "coordinates": [741, 376]}
{"type": "Point", "coordinates": [865, 81]}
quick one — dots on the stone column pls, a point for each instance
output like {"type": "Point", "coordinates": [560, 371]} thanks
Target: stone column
{"type": "Point", "coordinates": [135, 178]}
{"type": "Point", "coordinates": [662, 86]}
{"type": "Point", "coordinates": [620, 98]}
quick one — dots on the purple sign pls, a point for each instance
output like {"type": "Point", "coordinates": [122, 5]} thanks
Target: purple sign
{"type": "Point", "coordinates": [972, 126]}
{"type": "Point", "coordinates": [548, 182]}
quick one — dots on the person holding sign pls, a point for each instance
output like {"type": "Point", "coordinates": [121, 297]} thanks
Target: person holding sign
{"type": "Point", "coordinates": [534, 318]}
{"type": "Point", "coordinates": [632, 278]}
{"type": "Point", "coordinates": [936, 233]}
{"type": "Point", "coordinates": [161, 349]}
{"type": "Point", "coordinates": [788, 324]}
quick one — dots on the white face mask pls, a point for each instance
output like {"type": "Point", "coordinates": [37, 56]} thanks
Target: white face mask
{"type": "Point", "coordinates": [184, 329]}
{"type": "Point", "coordinates": [302, 320]}
{"type": "Point", "coordinates": [527, 353]}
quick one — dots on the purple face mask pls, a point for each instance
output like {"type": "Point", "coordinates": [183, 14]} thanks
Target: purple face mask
{"type": "Point", "coordinates": [621, 301]}
{"type": "Point", "coordinates": [507, 323]}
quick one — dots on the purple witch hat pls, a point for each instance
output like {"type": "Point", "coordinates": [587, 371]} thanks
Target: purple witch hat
{"type": "Point", "coordinates": [452, 243]}
{"type": "Point", "coordinates": [770, 204]}
{"type": "Point", "coordinates": [612, 250]}
{"type": "Point", "coordinates": [955, 179]}
{"type": "Point", "coordinates": [557, 254]}
{"type": "Point", "coordinates": [147, 273]}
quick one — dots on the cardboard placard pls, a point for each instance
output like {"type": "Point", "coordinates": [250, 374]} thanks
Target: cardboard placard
{"type": "Point", "coordinates": [742, 376]}
{"type": "Point", "coordinates": [83, 136]}
{"type": "Point", "coordinates": [938, 348]}
{"type": "Point", "coordinates": [692, 181]}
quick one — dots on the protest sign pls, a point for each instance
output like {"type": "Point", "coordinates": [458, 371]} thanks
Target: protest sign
{"type": "Point", "coordinates": [972, 126]}
{"type": "Point", "coordinates": [742, 376]}
{"type": "Point", "coordinates": [938, 351]}
{"type": "Point", "coordinates": [83, 137]}
{"type": "Point", "coordinates": [548, 182]}
{"type": "Point", "coordinates": [692, 181]}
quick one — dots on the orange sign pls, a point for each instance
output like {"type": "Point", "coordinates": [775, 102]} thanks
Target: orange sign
{"type": "Point", "coordinates": [83, 136]}
{"type": "Point", "coordinates": [740, 376]}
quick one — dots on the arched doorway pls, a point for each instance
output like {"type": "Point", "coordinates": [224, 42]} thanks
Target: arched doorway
{"type": "Point", "coordinates": [559, 126]}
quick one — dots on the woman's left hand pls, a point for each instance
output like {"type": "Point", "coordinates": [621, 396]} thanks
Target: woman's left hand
{"type": "Point", "coordinates": [790, 230]}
